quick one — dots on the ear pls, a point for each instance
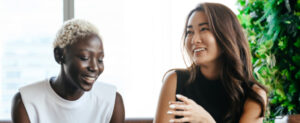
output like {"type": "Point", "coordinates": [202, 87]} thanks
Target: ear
{"type": "Point", "coordinates": [58, 55]}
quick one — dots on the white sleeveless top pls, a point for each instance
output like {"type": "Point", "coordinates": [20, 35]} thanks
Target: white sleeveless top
{"type": "Point", "coordinates": [44, 105]}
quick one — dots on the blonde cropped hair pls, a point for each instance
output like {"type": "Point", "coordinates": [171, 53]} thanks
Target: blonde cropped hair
{"type": "Point", "coordinates": [72, 30]}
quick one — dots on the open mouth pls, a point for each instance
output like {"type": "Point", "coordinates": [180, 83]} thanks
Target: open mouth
{"type": "Point", "coordinates": [199, 51]}
{"type": "Point", "coordinates": [89, 79]}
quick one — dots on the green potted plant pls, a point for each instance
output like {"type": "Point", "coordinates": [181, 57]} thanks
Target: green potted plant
{"type": "Point", "coordinates": [273, 31]}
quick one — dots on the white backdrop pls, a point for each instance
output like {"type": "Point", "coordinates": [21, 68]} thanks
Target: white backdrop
{"type": "Point", "coordinates": [141, 42]}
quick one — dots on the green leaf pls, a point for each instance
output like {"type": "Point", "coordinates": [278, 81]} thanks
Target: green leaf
{"type": "Point", "coordinates": [258, 63]}
{"type": "Point", "coordinates": [292, 89]}
{"type": "Point", "coordinates": [298, 4]}
{"type": "Point", "coordinates": [296, 59]}
{"type": "Point", "coordinates": [242, 2]}
{"type": "Point", "coordinates": [282, 44]}
{"type": "Point", "coordinates": [269, 44]}
{"type": "Point", "coordinates": [292, 68]}
{"type": "Point", "coordinates": [273, 101]}
{"type": "Point", "coordinates": [287, 22]}
{"type": "Point", "coordinates": [286, 74]}
{"type": "Point", "coordinates": [279, 2]}
{"type": "Point", "coordinates": [262, 50]}
{"type": "Point", "coordinates": [291, 107]}
{"type": "Point", "coordinates": [297, 14]}
{"type": "Point", "coordinates": [297, 76]}
{"type": "Point", "coordinates": [297, 43]}
{"type": "Point", "coordinates": [273, 60]}
{"type": "Point", "coordinates": [281, 93]}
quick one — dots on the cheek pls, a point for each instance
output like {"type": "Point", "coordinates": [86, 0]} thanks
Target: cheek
{"type": "Point", "coordinates": [76, 67]}
{"type": "Point", "coordinates": [101, 68]}
{"type": "Point", "coordinates": [213, 46]}
{"type": "Point", "coordinates": [188, 45]}
{"type": "Point", "coordinates": [216, 50]}
{"type": "Point", "coordinates": [71, 71]}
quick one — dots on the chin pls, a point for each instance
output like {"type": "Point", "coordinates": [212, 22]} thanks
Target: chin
{"type": "Point", "coordinates": [199, 62]}
{"type": "Point", "coordinates": [203, 61]}
{"type": "Point", "coordinates": [86, 87]}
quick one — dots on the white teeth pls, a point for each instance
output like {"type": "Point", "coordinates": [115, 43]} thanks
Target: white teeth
{"type": "Point", "coordinates": [199, 49]}
{"type": "Point", "coordinates": [90, 78]}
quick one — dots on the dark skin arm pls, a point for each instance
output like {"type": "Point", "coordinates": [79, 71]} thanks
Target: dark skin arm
{"type": "Point", "coordinates": [19, 114]}
{"type": "Point", "coordinates": [119, 111]}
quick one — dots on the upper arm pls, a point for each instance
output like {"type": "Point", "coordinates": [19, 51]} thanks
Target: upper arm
{"type": "Point", "coordinates": [252, 109]}
{"type": "Point", "coordinates": [118, 115]}
{"type": "Point", "coordinates": [167, 94]}
{"type": "Point", "coordinates": [18, 113]}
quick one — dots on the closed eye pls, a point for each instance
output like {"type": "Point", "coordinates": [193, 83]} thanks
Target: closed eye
{"type": "Point", "coordinates": [100, 60]}
{"type": "Point", "coordinates": [83, 58]}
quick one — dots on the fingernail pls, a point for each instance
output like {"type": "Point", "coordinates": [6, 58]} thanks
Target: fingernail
{"type": "Point", "coordinates": [170, 102]}
{"type": "Point", "coordinates": [178, 95]}
{"type": "Point", "coordinates": [171, 121]}
{"type": "Point", "coordinates": [172, 106]}
{"type": "Point", "coordinates": [169, 112]}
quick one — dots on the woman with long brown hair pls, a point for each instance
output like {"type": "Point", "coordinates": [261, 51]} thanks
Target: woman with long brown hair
{"type": "Point", "coordinates": [218, 85]}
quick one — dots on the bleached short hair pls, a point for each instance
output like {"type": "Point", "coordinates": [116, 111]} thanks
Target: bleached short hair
{"type": "Point", "coordinates": [72, 30]}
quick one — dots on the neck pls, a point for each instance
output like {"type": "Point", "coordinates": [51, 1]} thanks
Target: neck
{"type": "Point", "coordinates": [211, 70]}
{"type": "Point", "coordinates": [65, 88]}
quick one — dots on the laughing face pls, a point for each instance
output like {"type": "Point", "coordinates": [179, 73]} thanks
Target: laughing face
{"type": "Point", "coordinates": [200, 41]}
{"type": "Point", "coordinates": [84, 62]}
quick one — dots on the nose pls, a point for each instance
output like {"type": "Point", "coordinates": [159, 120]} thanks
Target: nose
{"type": "Point", "coordinates": [196, 39]}
{"type": "Point", "coordinates": [93, 65]}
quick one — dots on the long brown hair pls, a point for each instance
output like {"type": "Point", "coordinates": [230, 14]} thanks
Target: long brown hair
{"type": "Point", "coordinates": [236, 69]}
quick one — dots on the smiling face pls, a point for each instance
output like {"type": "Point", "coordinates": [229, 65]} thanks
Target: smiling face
{"type": "Point", "coordinates": [200, 42]}
{"type": "Point", "coordinates": [83, 62]}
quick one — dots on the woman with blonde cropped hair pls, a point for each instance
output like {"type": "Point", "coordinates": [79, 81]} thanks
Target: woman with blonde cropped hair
{"type": "Point", "coordinates": [73, 96]}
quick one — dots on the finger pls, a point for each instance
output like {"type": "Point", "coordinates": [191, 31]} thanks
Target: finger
{"type": "Point", "coordinates": [179, 113]}
{"type": "Point", "coordinates": [180, 107]}
{"type": "Point", "coordinates": [183, 98]}
{"type": "Point", "coordinates": [180, 120]}
{"type": "Point", "coordinates": [176, 102]}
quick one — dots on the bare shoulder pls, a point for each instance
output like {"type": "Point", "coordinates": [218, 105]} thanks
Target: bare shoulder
{"type": "Point", "coordinates": [169, 85]}
{"type": "Point", "coordinates": [167, 94]}
{"type": "Point", "coordinates": [252, 109]}
{"type": "Point", "coordinates": [118, 115]}
{"type": "Point", "coordinates": [118, 96]}
{"type": "Point", "coordinates": [119, 99]}
{"type": "Point", "coordinates": [19, 114]}
{"type": "Point", "coordinates": [170, 77]}
{"type": "Point", "coordinates": [17, 103]}
{"type": "Point", "coordinates": [17, 99]}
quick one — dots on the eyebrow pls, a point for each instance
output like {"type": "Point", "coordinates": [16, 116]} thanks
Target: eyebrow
{"type": "Point", "coordinates": [201, 24]}
{"type": "Point", "coordinates": [89, 50]}
{"type": "Point", "coordinates": [84, 50]}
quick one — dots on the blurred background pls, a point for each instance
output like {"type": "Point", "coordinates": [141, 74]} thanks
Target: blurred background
{"type": "Point", "coordinates": [141, 42]}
